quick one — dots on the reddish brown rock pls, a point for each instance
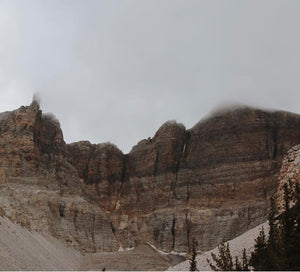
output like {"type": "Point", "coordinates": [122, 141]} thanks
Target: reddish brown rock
{"type": "Point", "coordinates": [40, 189]}
{"type": "Point", "coordinates": [211, 182]}
{"type": "Point", "coordinates": [102, 168]}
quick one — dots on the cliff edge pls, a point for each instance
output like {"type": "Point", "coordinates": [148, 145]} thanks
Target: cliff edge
{"type": "Point", "coordinates": [212, 182]}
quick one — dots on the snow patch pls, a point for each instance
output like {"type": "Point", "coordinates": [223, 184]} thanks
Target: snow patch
{"type": "Point", "coordinates": [120, 249]}
{"type": "Point", "coordinates": [167, 253]}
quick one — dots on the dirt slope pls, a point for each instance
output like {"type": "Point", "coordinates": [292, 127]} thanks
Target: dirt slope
{"type": "Point", "coordinates": [143, 257]}
{"type": "Point", "coordinates": [21, 249]}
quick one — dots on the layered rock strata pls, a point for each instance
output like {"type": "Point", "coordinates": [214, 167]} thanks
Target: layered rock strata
{"type": "Point", "coordinates": [40, 189]}
{"type": "Point", "coordinates": [211, 182]}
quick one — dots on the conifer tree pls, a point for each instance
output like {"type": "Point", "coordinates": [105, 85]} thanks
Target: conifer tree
{"type": "Point", "coordinates": [193, 262]}
{"type": "Point", "coordinates": [223, 262]}
{"type": "Point", "coordinates": [259, 257]}
{"type": "Point", "coordinates": [282, 250]}
{"type": "Point", "coordinates": [245, 262]}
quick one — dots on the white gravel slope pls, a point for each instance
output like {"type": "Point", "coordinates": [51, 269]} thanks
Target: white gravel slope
{"type": "Point", "coordinates": [246, 240]}
{"type": "Point", "coordinates": [21, 249]}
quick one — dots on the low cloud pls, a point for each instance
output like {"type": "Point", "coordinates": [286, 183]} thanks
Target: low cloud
{"type": "Point", "coordinates": [116, 70]}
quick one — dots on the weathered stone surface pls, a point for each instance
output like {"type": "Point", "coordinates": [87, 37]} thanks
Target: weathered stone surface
{"type": "Point", "coordinates": [289, 174]}
{"type": "Point", "coordinates": [211, 182]}
{"type": "Point", "coordinates": [40, 189]}
{"type": "Point", "coordinates": [101, 166]}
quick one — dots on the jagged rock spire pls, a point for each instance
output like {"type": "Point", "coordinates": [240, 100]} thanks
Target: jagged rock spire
{"type": "Point", "coordinates": [35, 101]}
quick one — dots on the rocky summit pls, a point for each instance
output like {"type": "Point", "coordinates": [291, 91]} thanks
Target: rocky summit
{"type": "Point", "coordinates": [211, 182]}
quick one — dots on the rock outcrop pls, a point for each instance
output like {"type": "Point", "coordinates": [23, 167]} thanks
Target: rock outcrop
{"type": "Point", "coordinates": [289, 174]}
{"type": "Point", "coordinates": [40, 189]}
{"type": "Point", "coordinates": [211, 182]}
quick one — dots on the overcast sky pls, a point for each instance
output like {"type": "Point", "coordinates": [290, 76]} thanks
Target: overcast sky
{"type": "Point", "coordinates": [116, 70]}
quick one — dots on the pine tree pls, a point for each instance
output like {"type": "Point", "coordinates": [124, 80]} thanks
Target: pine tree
{"type": "Point", "coordinates": [271, 261]}
{"type": "Point", "coordinates": [223, 262]}
{"type": "Point", "coordinates": [193, 262]}
{"type": "Point", "coordinates": [293, 248]}
{"type": "Point", "coordinates": [245, 262]}
{"type": "Point", "coordinates": [272, 226]}
{"type": "Point", "coordinates": [282, 250]}
{"type": "Point", "coordinates": [259, 258]}
{"type": "Point", "coordinates": [238, 265]}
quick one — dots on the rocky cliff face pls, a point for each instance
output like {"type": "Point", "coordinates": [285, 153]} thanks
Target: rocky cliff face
{"type": "Point", "coordinates": [40, 189]}
{"type": "Point", "coordinates": [211, 182]}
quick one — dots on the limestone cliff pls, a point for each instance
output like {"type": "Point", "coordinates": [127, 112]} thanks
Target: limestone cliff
{"type": "Point", "coordinates": [40, 189]}
{"type": "Point", "coordinates": [211, 182]}
{"type": "Point", "coordinates": [289, 174]}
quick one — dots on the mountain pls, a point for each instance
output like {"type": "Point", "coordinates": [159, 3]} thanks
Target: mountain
{"type": "Point", "coordinates": [289, 174]}
{"type": "Point", "coordinates": [212, 182]}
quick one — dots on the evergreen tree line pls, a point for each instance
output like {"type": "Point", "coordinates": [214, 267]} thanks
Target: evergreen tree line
{"type": "Point", "coordinates": [279, 251]}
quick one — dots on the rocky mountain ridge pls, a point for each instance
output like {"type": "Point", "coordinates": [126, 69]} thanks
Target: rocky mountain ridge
{"type": "Point", "coordinates": [40, 189]}
{"type": "Point", "coordinates": [211, 182]}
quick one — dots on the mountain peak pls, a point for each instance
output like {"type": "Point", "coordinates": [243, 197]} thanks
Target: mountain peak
{"type": "Point", "coordinates": [35, 104]}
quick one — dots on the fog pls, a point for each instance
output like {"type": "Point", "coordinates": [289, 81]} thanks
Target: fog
{"type": "Point", "coordinates": [116, 70]}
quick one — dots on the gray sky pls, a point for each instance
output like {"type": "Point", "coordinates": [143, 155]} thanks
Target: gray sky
{"type": "Point", "coordinates": [116, 70]}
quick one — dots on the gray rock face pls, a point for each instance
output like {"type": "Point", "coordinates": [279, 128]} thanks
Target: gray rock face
{"type": "Point", "coordinates": [289, 174]}
{"type": "Point", "coordinates": [211, 182]}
